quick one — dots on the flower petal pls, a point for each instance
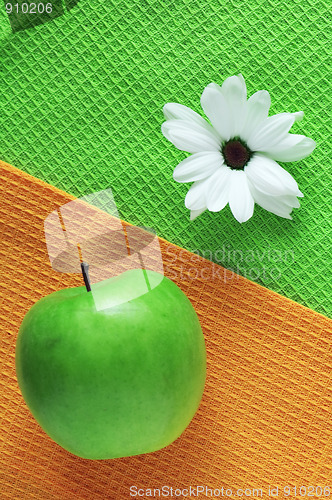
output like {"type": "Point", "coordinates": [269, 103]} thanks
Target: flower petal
{"type": "Point", "coordinates": [198, 166]}
{"type": "Point", "coordinates": [258, 106]}
{"type": "Point", "coordinates": [278, 205]}
{"type": "Point", "coordinates": [234, 88]}
{"type": "Point", "coordinates": [215, 107]}
{"type": "Point", "coordinates": [235, 92]}
{"type": "Point", "coordinates": [196, 213]}
{"type": "Point", "coordinates": [291, 201]}
{"type": "Point", "coordinates": [241, 201]}
{"type": "Point", "coordinates": [298, 115]}
{"type": "Point", "coordinates": [217, 193]}
{"type": "Point", "coordinates": [269, 177]}
{"type": "Point", "coordinates": [175, 111]}
{"type": "Point", "coordinates": [293, 147]}
{"type": "Point", "coordinates": [189, 136]}
{"type": "Point", "coordinates": [271, 131]}
{"type": "Point", "coordinates": [195, 198]}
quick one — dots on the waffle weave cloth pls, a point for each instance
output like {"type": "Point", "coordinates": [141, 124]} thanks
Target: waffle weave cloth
{"type": "Point", "coordinates": [265, 416]}
{"type": "Point", "coordinates": [81, 101]}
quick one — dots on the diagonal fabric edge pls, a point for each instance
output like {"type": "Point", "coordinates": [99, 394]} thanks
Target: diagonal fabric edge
{"type": "Point", "coordinates": [225, 275]}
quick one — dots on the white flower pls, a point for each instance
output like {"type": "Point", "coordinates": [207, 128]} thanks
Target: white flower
{"type": "Point", "coordinates": [233, 158]}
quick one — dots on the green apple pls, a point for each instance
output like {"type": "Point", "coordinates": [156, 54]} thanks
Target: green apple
{"type": "Point", "coordinates": [116, 381]}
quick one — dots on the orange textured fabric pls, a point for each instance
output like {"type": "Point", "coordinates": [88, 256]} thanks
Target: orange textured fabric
{"type": "Point", "coordinates": [265, 416]}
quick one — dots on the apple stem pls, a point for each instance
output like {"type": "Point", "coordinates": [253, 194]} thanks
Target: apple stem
{"type": "Point", "coordinates": [85, 270]}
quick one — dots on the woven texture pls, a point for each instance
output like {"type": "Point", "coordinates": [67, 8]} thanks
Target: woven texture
{"type": "Point", "coordinates": [265, 416]}
{"type": "Point", "coordinates": [81, 107]}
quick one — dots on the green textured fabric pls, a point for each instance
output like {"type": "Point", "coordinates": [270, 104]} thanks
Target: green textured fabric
{"type": "Point", "coordinates": [81, 108]}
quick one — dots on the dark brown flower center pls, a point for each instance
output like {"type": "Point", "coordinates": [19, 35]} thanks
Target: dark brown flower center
{"type": "Point", "coordinates": [236, 154]}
